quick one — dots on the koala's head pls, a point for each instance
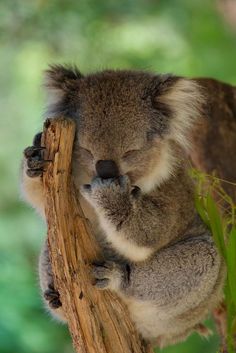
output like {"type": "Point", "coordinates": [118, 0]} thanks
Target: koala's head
{"type": "Point", "coordinates": [129, 122]}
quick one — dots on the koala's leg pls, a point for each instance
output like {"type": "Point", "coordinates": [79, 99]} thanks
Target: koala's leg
{"type": "Point", "coordinates": [172, 292]}
{"type": "Point", "coordinates": [32, 169]}
{"type": "Point", "coordinates": [50, 295]}
{"type": "Point", "coordinates": [170, 274]}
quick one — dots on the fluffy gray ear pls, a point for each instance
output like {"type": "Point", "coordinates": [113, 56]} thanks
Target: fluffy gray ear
{"type": "Point", "coordinates": [62, 84]}
{"type": "Point", "coordinates": [180, 103]}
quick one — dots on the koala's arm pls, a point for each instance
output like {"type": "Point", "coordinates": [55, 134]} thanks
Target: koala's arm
{"type": "Point", "coordinates": [138, 224]}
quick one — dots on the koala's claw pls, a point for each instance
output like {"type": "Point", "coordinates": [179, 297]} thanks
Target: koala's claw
{"type": "Point", "coordinates": [53, 297]}
{"type": "Point", "coordinates": [36, 163]}
{"type": "Point", "coordinates": [101, 272]}
{"type": "Point", "coordinates": [34, 173]}
{"type": "Point", "coordinates": [105, 274]}
{"type": "Point", "coordinates": [32, 151]}
{"type": "Point", "coordinates": [124, 181]}
{"type": "Point", "coordinates": [37, 140]}
{"type": "Point", "coordinates": [55, 303]}
{"type": "Point", "coordinates": [102, 283]}
{"type": "Point", "coordinates": [136, 192]}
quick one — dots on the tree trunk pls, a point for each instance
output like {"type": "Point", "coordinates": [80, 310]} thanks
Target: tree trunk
{"type": "Point", "coordinates": [98, 321]}
{"type": "Point", "coordinates": [214, 136]}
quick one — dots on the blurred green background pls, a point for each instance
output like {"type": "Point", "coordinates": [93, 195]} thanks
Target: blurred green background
{"type": "Point", "coordinates": [192, 38]}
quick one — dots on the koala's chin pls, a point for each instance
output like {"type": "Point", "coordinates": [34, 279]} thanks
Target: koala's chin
{"type": "Point", "coordinates": [130, 169]}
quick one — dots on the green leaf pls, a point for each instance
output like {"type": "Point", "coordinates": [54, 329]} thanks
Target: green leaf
{"type": "Point", "coordinates": [199, 204]}
{"type": "Point", "coordinates": [216, 224]}
{"type": "Point", "coordinates": [231, 263]}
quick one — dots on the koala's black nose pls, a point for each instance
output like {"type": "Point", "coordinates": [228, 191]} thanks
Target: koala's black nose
{"type": "Point", "coordinates": [107, 169]}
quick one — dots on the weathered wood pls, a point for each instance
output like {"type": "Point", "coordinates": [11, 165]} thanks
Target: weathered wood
{"type": "Point", "coordinates": [214, 136]}
{"type": "Point", "coordinates": [98, 321]}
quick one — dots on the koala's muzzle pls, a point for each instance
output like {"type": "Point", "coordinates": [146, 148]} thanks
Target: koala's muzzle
{"type": "Point", "coordinates": [107, 169]}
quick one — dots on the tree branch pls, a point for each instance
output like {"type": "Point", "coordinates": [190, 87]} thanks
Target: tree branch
{"type": "Point", "coordinates": [98, 321]}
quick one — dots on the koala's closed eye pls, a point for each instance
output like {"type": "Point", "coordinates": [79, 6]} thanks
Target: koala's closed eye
{"type": "Point", "coordinates": [130, 154]}
{"type": "Point", "coordinates": [83, 152]}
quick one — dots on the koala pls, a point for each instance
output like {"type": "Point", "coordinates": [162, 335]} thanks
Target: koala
{"type": "Point", "coordinates": [130, 168]}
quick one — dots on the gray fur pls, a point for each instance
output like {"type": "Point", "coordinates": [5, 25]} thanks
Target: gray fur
{"type": "Point", "coordinates": [160, 257]}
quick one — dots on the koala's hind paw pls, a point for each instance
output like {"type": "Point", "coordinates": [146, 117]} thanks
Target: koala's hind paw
{"type": "Point", "coordinates": [107, 275]}
{"type": "Point", "coordinates": [52, 297]}
{"type": "Point", "coordinates": [34, 158]}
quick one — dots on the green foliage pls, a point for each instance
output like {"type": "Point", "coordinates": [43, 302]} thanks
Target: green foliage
{"type": "Point", "coordinates": [184, 37]}
{"type": "Point", "coordinates": [220, 218]}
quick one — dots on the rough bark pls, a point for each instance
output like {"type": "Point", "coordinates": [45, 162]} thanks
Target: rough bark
{"type": "Point", "coordinates": [98, 321]}
{"type": "Point", "coordinates": [214, 137]}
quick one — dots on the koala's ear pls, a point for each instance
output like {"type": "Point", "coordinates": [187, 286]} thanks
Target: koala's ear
{"type": "Point", "coordinates": [179, 104]}
{"type": "Point", "coordinates": [62, 84]}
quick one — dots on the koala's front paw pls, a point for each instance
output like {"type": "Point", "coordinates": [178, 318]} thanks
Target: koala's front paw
{"type": "Point", "coordinates": [52, 297]}
{"type": "Point", "coordinates": [107, 275]}
{"type": "Point", "coordinates": [110, 194]}
{"type": "Point", "coordinates": [34, 158]}
{"type": "Point", "coordinates": [100, 187]}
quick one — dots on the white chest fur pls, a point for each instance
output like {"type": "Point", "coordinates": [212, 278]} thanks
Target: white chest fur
{"type": "Point", "coordinates": [123, 245]}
